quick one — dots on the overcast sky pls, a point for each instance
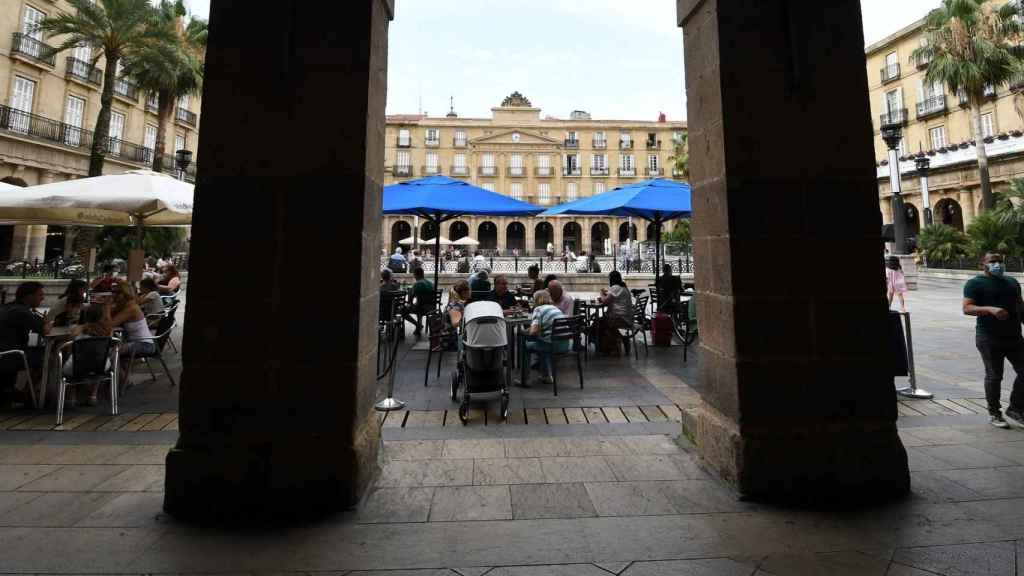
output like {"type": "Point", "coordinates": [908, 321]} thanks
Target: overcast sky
{"type": "Point", "coordinates": [617, 59]}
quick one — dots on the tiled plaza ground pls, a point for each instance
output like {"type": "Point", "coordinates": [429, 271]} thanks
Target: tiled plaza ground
{"type": "Point", "coordinates": [571, 490]}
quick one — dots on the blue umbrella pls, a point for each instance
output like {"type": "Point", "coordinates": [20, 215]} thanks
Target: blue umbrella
{"type": "Point", "coordinates": [440, 198]}
{"type": "Point", "coordinates": [657, 200]}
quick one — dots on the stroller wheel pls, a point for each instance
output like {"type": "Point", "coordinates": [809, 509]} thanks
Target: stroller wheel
{"type": "Point", "coordinates": [504, 406]}
{"type": "Point", "coordinates": [464, 413]}
{"type": "Point", "coordinates": [455, 386]}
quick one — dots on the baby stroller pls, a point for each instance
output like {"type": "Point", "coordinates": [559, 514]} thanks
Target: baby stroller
{"type": "Point", "coordinates": [481, 366]}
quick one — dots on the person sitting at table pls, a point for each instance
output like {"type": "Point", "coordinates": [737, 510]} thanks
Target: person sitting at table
{"type": "Point", "coordinates": [150, 302]}
{"type": "Point", "coordinates": [457, 299]}
{"type": "Point", "coordinates": [502, 296]}
{"type": "Point", "coordinates": [170, 281]}
{"type": "Point", "coordinates": [669, 289]}
{"type": "Point", "coordinates": [559, 298]}
{"type": "Point", "coordinates": [388, 282]}
{"type": "Point", "coordinates": [124, 312]}
{"type": "Point", "coordinates": [397, 262]}
{"type": "Point", "coordinates": [69, 304]}
{"type": "Point", "coordinates": [548, 279]}
{"type": "Point", "coordinates": [538, 340]}
{"type": "Point", "coordinates": [105, 281]}
{"type": "Point", "coordinates": [423, 301]}
{"type": "Point", "coordinates": [95, 326]}
{"type": "Point", "coordinates": [17, 320]}
{"type": "Point", "coordinates": [619, 314]}
{"type": "Point", "coordinates": [479, 282]}
{"type": "Point", "coordinates": [533, 273]}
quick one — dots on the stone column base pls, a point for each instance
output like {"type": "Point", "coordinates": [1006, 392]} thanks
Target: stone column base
{"type": "Point", "coordinates": [819, 464]}
{"type": "Point", "coordinates": [301, 476]}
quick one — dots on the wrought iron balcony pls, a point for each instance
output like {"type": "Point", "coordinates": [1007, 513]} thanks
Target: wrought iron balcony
{"type": "Point", "coordinates": [599, 171]}
{"type": "Point", "coordinates": [890, 72]}
{"type": "Point", "coordinates": [517, 171]}
{"type": "Point", "coordinates": [897, 117]}
{"type": "Point", "coordinates": [653, 171]}
{"type": "Point", "coordinates": [627, 172]}
{"type": "Point", "coordinates": [600, 143]}
{"type": "Point", "coordinates": [653, 144]}
{"type": "Point", "coordinates": [625, 144]}
{"type": "Point", "coordinates": [33, 50]}
{"type": "Point", "coordinates": [922, 62]}
{"type": "Point", "coordinates": [186, 117]}
{"type": "Point", "coordinates": [152, 104]}
{"type": "Point", "coordinates": [460, 171]}
{"type": "Point", "coordinates": [402, 170]}
{"type": "Point", "coordinates": [569, 143]}
{"type": "Point", "coordinates": [570, 171]}
{"type": "Point", "coordinates": [931, 106]}
{"type": "Point", "coordinates": [487, 170]}
{"type": "Point", "coordinates": [403, 142]}
{"type": "Point", "coordinates": [459, 142]}
{"type": "Point", "coordinates": [543, 171]}
{"type": "Point", "coordinates": [434, 143]}
{"type": "Point", "coordinates": [126, 90]}
{"type": "Point", "coordinates": [430, 170]}
{"type": "Point", "coordinates": [82, 71]}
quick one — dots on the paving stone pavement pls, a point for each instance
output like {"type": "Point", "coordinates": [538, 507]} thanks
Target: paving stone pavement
{"type": "Point", "coordinates": [594, 498]}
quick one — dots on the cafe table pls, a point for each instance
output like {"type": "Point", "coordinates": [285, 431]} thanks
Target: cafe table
{"type": "Point", "coordinates": [57, 335]}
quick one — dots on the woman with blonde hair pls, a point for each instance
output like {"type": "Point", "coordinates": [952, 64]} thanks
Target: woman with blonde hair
{"type": "Point", "coordinates": [125, 313]}
{"type": "Point", "coordinates": [457, 299]}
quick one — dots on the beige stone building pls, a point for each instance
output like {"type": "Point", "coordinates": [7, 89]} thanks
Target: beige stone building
{"type": "Point", "coordinates": [544, 161]}
{"type": "Point", "coordinates": [48, 107]}
{"type": "Point", "coordinates": [938, 124]}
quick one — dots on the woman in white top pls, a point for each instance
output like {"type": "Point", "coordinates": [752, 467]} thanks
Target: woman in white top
{"type": "Point", "coordinates": [126, 314]}
{"type": "Point", "coordinates": [618, 316]}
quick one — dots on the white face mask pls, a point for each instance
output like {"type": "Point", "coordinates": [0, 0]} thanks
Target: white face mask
{"type": "Point", "coordinates": [995, 268]}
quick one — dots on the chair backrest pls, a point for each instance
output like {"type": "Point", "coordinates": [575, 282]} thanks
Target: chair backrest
{"type": "Point", "coordinates": [163, 331]}
{"type": "Point", "coordinates": [567, 328]}
{"type": "Point", "coordinates": [639, 308]}
{"type": "Point", "coordinates": [577, 307]}
{"type": "Point", "coordinates": [388, 303]}
{"type": "Point", "coordinates": [90, 357]}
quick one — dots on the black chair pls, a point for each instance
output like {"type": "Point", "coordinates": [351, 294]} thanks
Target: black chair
{"type": "Point", "coordinates": [639, 327]}
{"type": "Point", "coordinates": [653, 291]}
{"type": "Point", "coordinates": [91, 363]}
{"type": "Point", "coordinates": [568, 329]}
{"type": "Point", "coordinates": [163, 335]}
{"type": "Point", "coordinates": [20, 354]}
{"type": "Point", "coordinates": [441, 339]}
{"type": "Point", "coordinates": [438, 294]}
{"type": "Point", "coordinates": [689, 326]}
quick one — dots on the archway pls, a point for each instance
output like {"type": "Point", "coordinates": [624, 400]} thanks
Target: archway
{"type": "Point", "coordinates": [458, 229]}
{"type": "Point", "coordinates": [515, 236]}
{"type": "Point", "coordinates": [54, 243]}
{"type": "Point", "coordinates": [428, 230]}
{"type": "Point", "coordinates": [542, 235]}
{"type": "Point", "coordinates": [400, 230]}
{"type": "Point", "coordinates": [487, 235]}
{"type": "Point", "coordinates": [572, 236]}
{"type": "Point", "coordinates": [949, 212]}
{"type": "Point", "coordinates": [913, 220]}
{"type": "Point", "coordinates": [624, 229]}
{"type": "Point", "coordinates": [599, 232]}
{"type": "Point", "coordinates": [650, 232]}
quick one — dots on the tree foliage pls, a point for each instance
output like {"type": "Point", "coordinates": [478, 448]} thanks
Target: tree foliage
{"type": "Point", "coordinates": [941, 243]}
{"type": "Point", "coordinates": [680, 233]}
{"type": "Point", "coordinates": [680, 157]}
{"type": "Point", "coordinates": [988, 234]}
{"type": "Point", "coordinates": [117, 242]}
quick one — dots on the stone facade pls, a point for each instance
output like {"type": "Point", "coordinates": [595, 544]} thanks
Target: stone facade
{"type": "Point", "coordinates": [46, 103]}
{"type": "Point", "coordinates": [544, 161]}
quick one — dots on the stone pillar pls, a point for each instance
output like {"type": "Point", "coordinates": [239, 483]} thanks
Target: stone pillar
{"type": "Point", "coordinates": [501, 224]}
{"type": "Point", "coordinates": [530, 225]}
{"type": "Point", "coordinates": [585, 225]}
{"type": "Point", "coordinates": [967, 205]}
{"type": "Point", "coordinates": [277, 411]}
{"type": "Point", "coordinates": [885, 204]}
{"type": "Point", "coordinates": [556, 227]}
{"type": "Point", "coordinates": [808, 414]}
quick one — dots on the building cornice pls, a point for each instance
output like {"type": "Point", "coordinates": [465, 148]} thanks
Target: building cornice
{"type": "Point", "coordinates": [898, 35]}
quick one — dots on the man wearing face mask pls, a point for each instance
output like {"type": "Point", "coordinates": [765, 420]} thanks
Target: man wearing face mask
{"type": "Point", "coordinates": [995, 299]}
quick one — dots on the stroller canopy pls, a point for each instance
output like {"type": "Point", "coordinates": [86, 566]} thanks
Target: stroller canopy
{"type": "Point", "coordinates": [484, 325]}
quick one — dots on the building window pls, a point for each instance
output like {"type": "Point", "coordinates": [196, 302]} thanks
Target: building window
{"type": "Point", "coordinates": [432, 167]}
{"type": "Point", "coordinates": [153, 101]}
{"type": "Point", "coordinates": [544, 193]}
{"type": "Point", "coordinates": [149, 141]}
{"type": "Point", "coordinates": [938, 137]}
{"type": "Point", "coordinates": [30, 24]}
{"type": "Point", "coordinates": [571, 190]}
{"type": "Point", "coordinates": [489, 186]}
{"type": "Point", "coordinates": [515, 165]}
{"type": "Point", "coordinates": [83, 53]}
{"type": "Point", "coordinates": [459, 164]}
{"type": "Point", "coordinates": [22, 98]}
{"type": "Point", "coordinates": [487, 167]}
{"type": "Point", "coordinates": [543, 165]}
{"type": "Point", "coordinates": [432, 137]}
{"type": "Point", "coordinates": [116, 132]}
{"type": "Point", "coordinates": [892, 66]}
{"type": "Point", "coordinates": [516, 189]}
{"type": "Point", "coordinates": [180, 143]}
{"type": "Point", "coordinates": [893, 106]}
{"type": "Point", "coordinates": [460, 138]}
{"type": "Point", "coordinates": [572, 137]}
{"type": "Point", "coordinates": [988, 125]}
{"type": "Point", "coordinates": [184, 101]}
{"type": "Point", "coordinates": [402, 159]}
{"type": "Point", "coordinates": [599, 188]}
{"type": "Point", "coordinates": [572, 165]}
{"type": "Point", "coordinates": [600, 140]}
{"type": "Point", "coordinates": [626, 165]}
{"type": "Point", "coordinates": [74, 116]}
{"type": "Point", "coordinates": [625, 140]}
{"type": "Point", "coordinates": [404, 139]}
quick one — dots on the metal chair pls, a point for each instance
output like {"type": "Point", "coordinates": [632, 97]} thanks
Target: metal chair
{"type": "Point", "coordinates": [567, 329]}
{"type": "Point", "coordinates": [28, 373]}
{"type": "Point", "coordinates": [163, 334]}
{"type": "Point", "coordinates": [438, 294]}
{"type": "Point", "coordinates": [639, 326]}
{"type": "Point", "coordinates": [91, 363]}
{"type": "Point", "coordinates": [444, 340]}
{"type": "Point", "coordinates": [168, 311]}
{"type": "Point", "coordinates": [689, 332]}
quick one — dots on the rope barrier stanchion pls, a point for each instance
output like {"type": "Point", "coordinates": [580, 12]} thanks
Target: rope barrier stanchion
{"type": "Point", "coordinates": [911, 391]}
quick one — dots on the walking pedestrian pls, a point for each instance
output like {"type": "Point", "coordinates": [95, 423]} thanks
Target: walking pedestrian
{"type": "Point", "coordinates": [895, 281]}
{"type": "Point", "coordinates": [995, 299]}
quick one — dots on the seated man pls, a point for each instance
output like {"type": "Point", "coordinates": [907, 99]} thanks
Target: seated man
{"type": "Point", "coordinates": [539, 340]}
{"type": "Point", "coordinates": [423, 301]}
{"type": "Point", "coordinates": [388, 282]}
{"type": "Point", "coordinates": [669, 289]}
{"type": "Point", "coordinates": [502, 296]}
{"type": "Point", "coordinates": [559, 298]}
{"type": "Point", "coordinates": [397, 261]}
{"type": "Point", "coordinates": [479, 282]}
{"type": "Point", "coordinates": [17, 320]}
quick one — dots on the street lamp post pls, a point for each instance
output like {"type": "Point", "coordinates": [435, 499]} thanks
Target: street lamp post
{"type": "Point", "coordinates": [923, 164]}
{"type": "Point", "coordinates": [182, 160]}
{"type": "Point", "coordinates": [892, 134]}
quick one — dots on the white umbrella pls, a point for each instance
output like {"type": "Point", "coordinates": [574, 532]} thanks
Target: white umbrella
{"type": "Point", "coordinates": [465, 241]}
{"type": "Point", "coordinates": [421, 241]}
{"type": "Point", "coordinates": [136, 198]}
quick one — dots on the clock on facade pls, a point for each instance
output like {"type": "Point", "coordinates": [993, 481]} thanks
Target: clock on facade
{"type": "Point", "coordinates": [515, 136]}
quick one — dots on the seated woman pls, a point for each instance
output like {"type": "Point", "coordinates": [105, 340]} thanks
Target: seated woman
{"type": "Point", "coordinates": [105, 281]}
{"type": "Point", "coordinates": [69, 304]}
{"type": "Point", "coordinates": [150, 302]}
{"type": "Point", "coordinates": [457, 299]}
{"type": "Point", "coordinates": [539, 340]}
{"type": "Point", "coordinates": [96, 324]}
{"type": "Point", "coordinates": [124, 312]}
{"type": "Point", "coordinates": [619, 314]}
{"type": "Point", "coordinates": [170, 282]}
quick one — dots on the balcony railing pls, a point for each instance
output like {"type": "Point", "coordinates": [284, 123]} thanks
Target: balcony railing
{"type": "Point", "coordinates": [894, 117]}
{"type": "Point", "coordinates": [152, 105]}
{"type": "Point", "coordinates": [403, 142]}
{"type": "Point", "coordinates": [402, 170]}
{"type": "Point", "coordinates": [625, 144]}
{"type": "Point", "coordinates": [653, 171]}
{"type": "Point", "coordinates": [33, 50]}
{"type": "Point", "coordinates": [186, 117]}
{"type": "Point", "coordinates": [922, 62]}
{"type": "Point", "coordinates": [127, 90]}
{"type": "Point", "coordinates": [931, 106]}
{"type": "Point", "coordinates": [83, 71]}
{"type": "Point", "coordinates": [430, 170]}
{"type": "Point", "coordinates": [487, 170]}
{"type": "Point", "coordinates": [433, 143]}
{"type": "Point", "coordinates": [600, 143]}
{"type": "Point", "coordinates": [653, 144]}
{"type": "Point", "coordinates": [516, 171]}
{"type": "Point", "coordinates": [169, 167]}
{"type": "Point", "coordinates": [460, 171]}
{"type": "Point", "coordinates": [543, 171]}
{"type": "Point", "coordinates": [890, 72]}
{"type": "Point", "coordinates": [570, 171]}
{"type": "Point", "coordinates": [599, 171]}
{"type": "Point", "coordinates": [570, 143]}
{"type": "Point", "coordinates": [459, 142]}
{"type": "Point", "coordinates": [627, 172]}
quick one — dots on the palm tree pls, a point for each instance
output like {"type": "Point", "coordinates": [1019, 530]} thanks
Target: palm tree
{"type": "Point", "coordinates": [170, 69]}
{"type": "Point", "coordinates": [972, 45]}
{"type": "Point", "coordinates": [114, 29]}
{"type": "Point", "coordinates": [681, 157]}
